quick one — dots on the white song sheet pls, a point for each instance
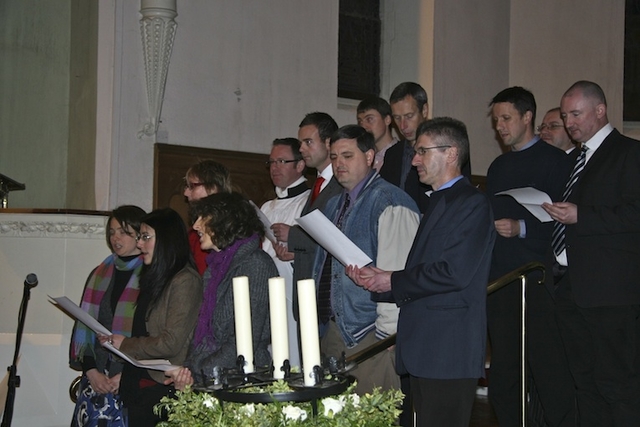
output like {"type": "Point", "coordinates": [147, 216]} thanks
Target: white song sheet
{"type": "Point", "coordinates": [69, 307]}
{"type": "Point", "coordinates": [332, 239]}
{"type": "Point", "coordinates": [532, 200]}
{"type": "Point", "coordinates": [268, 233]}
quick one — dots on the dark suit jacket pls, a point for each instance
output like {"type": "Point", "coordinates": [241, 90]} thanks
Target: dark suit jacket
{"type": "Point", "coordinates": [603, 247]}
{"type": "Point", "coordinates": [302, 245]}
{"type": "Point", "coordinates": [442, 290]}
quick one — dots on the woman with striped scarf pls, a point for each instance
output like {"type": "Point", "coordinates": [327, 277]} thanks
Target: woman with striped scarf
{"type": "Point", "coordinates": [110, 295]}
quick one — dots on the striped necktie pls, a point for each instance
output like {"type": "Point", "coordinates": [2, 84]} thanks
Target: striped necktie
{"type": "Point", "coordinates": [558, 235]}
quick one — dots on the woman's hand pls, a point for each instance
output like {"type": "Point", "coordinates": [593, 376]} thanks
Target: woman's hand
{"type": "Point", "coordinates": [114, 382]}
{"type": "Point", "coordinates": [115, 340]}
{"type": "Point", "coordinates": [99, 381]}
{"type": "Point", "coordinates": [180, 378]}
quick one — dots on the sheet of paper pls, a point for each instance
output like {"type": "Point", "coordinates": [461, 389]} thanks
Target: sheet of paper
{"type": "Point", "coordinates": [156, 364]}
{"type": "Point", "coordinates": [268, 233]}
{"type": "Point", "coordinates": [532, 200]}
{"type": "Point", "coordinates": [76, 312]}
{"type": "Point", "coordinates": [332, 239]}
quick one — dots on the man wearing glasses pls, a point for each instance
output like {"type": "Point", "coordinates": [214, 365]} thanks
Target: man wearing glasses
{"type": "Point", "coordinates": [441, 291]}
{"type": "Point", "coordinates": [286, 168]}
{"type": "Point", "coordinates": [552, 131]}
{"type": "Point", "coordinates": [522, 238]}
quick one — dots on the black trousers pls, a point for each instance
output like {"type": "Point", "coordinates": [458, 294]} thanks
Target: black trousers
{"type": "Point", "coordinates": [443, 403]}
{"type": "Point", "coordinates": [603, 349]}
{"type": "Point", "coordinates": [547, 364]}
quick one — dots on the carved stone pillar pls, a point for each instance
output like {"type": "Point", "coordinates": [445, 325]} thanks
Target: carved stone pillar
{"type": "Point", "coordinates": [158, 30]}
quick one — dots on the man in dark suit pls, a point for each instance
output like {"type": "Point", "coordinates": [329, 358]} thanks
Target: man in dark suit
{"type": "Point", "coordinates": [599, 296]}
{"type": "Point", "coordinates": [442, 290]}
{"type": "Point", "coordinates": [314, 134]}
{"type": "Point", "coordinates": [410, 108]}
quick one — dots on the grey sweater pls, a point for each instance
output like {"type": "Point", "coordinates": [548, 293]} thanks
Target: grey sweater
{"type": "Point", "coordinates": [253, 262]}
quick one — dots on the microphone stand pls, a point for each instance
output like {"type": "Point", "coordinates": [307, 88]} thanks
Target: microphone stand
{"type": "Point", "coordinates": [14, 379]}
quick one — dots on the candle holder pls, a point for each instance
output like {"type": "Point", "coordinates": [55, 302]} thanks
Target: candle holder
{"type": "Point", "coordinates": [230, 384]}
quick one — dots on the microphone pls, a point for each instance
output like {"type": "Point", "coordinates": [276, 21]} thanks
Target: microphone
{"type": "Point", "coordinates": [31, 281]}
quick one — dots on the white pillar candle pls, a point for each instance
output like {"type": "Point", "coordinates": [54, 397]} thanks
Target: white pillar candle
{"type": "Point", "coordinates": [279, 325]}
{"type": "Point", "coordinates": [308, 329]}
{"type": "Point", "coordinates": [242, 315]}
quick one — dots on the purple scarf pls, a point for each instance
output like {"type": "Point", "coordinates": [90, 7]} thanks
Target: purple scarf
{"type": "Point", "coordinates": [218, 265]}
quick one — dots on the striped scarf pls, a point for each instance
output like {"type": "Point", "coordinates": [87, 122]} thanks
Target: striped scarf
{"type": "Point", "coordinates": [83, 338]}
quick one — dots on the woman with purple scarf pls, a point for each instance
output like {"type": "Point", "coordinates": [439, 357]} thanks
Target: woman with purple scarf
{"type": "Point", "coordinates": [229, 227]}
{"type": "Point", "coordinates": [109, 296]}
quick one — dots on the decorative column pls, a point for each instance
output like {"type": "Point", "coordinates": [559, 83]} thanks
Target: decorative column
{"type": "Point", "coordinates": [158, 30]}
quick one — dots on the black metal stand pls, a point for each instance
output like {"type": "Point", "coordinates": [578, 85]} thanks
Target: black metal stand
{"type": "Point", "coordinates": [227, 384]}
{"type": "Point", "coordinates": [14, 379]}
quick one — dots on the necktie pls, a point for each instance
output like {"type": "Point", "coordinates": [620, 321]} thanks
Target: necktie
{"type": "Point", "coordinates": [324, 287]}
{"type": "Point", "coordinates": [317, 186]}
{"type": "Point", "coordinates": [558, 235]}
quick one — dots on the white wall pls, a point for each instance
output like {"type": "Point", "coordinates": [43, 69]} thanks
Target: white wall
{"type": "Point", "coordinates": [554, 44]}
{"type": "Point", "coordinates": [61, 250]}
{"type": "Point", "coordinates": [245, 72]}
{"type": "Point", "coordinates": [242, 73]}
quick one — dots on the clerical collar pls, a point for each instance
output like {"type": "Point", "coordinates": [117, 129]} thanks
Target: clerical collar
{"type": "Point", "coordinates": [295, 189]}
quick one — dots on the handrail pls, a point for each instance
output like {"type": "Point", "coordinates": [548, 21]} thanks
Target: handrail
{"type": "Point", "coordinates": [372, 350]}
{"type": "Point", "coordinates": [497, 284]}
{"type": "Point", "coordinates": [518, 273]}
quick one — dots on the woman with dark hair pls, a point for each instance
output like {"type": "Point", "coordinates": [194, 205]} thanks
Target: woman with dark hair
{"type": "Point", "coordinates": [229, 227]}
{"type": "Point", "coordinates": [166, 313]}
{"type": "Point", "coordinates": [201, 180]}
{"type": "Point", "coordinates": [110, 295]}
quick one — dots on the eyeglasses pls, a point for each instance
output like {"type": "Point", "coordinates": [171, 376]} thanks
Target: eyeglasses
{"type": "Point", "coordinates": [192, 185]}
{"type": "Point", "coordinates": [421, 151]}
{"type": "Point", "coordinates": [280, 162]}
{"type": "Point", "coordinates": [552, 126]}
{"type": "Point", "coordinates": [144, 237]}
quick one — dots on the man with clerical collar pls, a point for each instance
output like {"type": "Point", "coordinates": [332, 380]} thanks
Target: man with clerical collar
{"type": "Point", "coordinates": [381, 220]}
{"type": "Point", "coordinates": [286, 168]}
{"type": "Point", "coordinates": [441, 290]}
{"type": "Point", "coordinates": [523, 238]}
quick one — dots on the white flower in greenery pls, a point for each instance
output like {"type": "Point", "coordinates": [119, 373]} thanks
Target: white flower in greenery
{"type": "Point", "coordinates": [355, 399]}
{"type": "Point", "coordinates": [332, 405]}
{"type": "Point", "coordinates": [294, 413]}
{"type": "Point", "coordinates": [248, 409]}
{"type": "Point", "coordinates": [209, 402]}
